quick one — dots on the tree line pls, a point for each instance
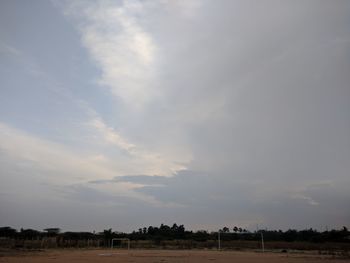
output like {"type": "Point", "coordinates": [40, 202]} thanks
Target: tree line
{"type": "Point", "coordinates": [178, 232]}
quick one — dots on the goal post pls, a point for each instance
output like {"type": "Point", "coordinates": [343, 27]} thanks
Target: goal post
{"type": "Point", "coordinates": [120, 241]}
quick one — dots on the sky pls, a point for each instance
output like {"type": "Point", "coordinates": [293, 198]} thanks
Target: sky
{"type": "Point", "coordinates": [125, 114]}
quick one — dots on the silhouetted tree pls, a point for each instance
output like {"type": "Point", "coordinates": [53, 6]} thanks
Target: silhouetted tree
{"type": "Point", "coordinates": [225, 230]}
{"type": "Point", "coordinates": [7, 232]}
{"type": "Point", "coordinates": [29, 233]}
{"type": "Point", "coordinates": [107, 235]}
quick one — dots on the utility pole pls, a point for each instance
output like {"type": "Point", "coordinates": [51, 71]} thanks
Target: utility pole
{"type": "Point", "coordinates": [262, 242]}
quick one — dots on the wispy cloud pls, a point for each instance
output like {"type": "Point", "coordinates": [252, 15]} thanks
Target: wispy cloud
{"type": "Point", "coordinates": [66, 169]}
{"type": "Point", "coordinates": [124, 50]}
{"type": "Point", "coordinates": [71, 165]}
{"type": "Point", "coordinates": [144, 161]}
{"type": "Point", "coordinates": [305, 191]}
{"type": "Point", "coordinates": [7, 49]}
{"type": "Point", "coordinates": [111, 136]}
{"type": "Point", "coordinates": [64, 165]}
{"type": "Point", "coordinates": [308, 199]}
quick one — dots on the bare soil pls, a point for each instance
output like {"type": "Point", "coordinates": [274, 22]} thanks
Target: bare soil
{"type": "Point", "coordinates": [160, 256]}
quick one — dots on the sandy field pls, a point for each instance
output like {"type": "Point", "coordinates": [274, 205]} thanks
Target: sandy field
{"type": "Point", "coordinates": [160, 256]}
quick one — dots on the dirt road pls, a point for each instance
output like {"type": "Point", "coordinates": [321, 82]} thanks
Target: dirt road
{"type": "Point", "coordinates": [161, 256]}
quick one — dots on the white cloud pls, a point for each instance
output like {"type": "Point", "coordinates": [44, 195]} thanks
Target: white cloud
{"type": "Point", "coordinates": [62, 167]}
{"type": "Point", "coordinates": [53, 163]}
{"type": "Point", "coordinates": [117, 38]}
{"type": "Point", "coordinates": [111, 135]}
{"type": "Point", "coordinates": [71, 165]}
{"type": "Point", "coordinates": [144, 161]}
{"type": "Point", "coordinates": [124, 50]}
{"type": "Point", "coordinates": [308, 199]}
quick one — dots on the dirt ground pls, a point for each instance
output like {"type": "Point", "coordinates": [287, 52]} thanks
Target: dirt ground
{"type": "Point", "coordinates": [161, 256]}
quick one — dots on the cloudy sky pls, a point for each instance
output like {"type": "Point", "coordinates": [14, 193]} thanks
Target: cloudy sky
{"type": "Point", "coordinates": [126, 114]}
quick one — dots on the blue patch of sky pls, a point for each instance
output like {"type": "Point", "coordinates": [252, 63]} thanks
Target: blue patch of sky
{"type": "Point", "coordinates": [43, 85]}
